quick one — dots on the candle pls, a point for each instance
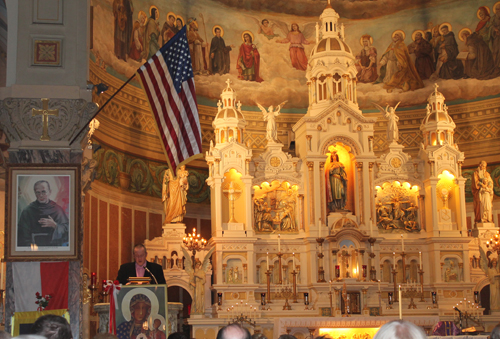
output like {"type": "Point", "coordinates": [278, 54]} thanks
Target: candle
{"type": "Point", "coordinates": [104, 283]}
{"type": "Point", "coordinates": [268, 261]}
{"type": "Point", "coordinates": [420, 257]}
{"type": "Point", "coordinates": [394, 261]}
{"type": "Point", "coordinates": [402, 244]}
{"type": "Point", "coordinates": [330, 286]}
{"type": "Point", "coordinates": [279, 244]}
{"type": "Point", "coordinates": [379, 286]}
{"type": "Point", "coordinates": [93, 278]}
{"type": "Point", "coordinates": [293, 260]}
{"type": "Point", "coordinates": [400, 305]}
{"type": "Point", "coordinates": [319, 228]}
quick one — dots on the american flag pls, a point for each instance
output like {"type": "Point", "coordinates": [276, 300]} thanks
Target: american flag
{"type": "Point", "coordinates": [167, 79]}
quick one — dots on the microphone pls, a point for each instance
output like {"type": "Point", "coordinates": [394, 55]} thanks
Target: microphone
{"type": "Point", "coordinates": [156, 281]}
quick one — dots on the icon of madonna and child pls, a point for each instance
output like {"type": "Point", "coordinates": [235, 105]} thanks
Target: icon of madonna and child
{"type": "Point", "coordinates": [142, 314]}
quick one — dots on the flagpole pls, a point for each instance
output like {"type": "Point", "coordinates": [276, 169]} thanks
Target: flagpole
{"type": "Point", "coordinates": [101, 108]}
{"type": "Point", "coordinates": [119, 89]}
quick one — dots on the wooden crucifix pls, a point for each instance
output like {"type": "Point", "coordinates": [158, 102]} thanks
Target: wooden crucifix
{"type": "Point", "coordinates": [45, 112]}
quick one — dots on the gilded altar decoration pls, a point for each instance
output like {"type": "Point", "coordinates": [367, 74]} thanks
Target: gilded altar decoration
{"type": "Point", "coordinates": [275, 207]}
{"type": "Point", "coordinates": [232, 192]}
{"type": "Point", "coordinates": [174, 195]}
{"type": "Point", "coordinates": [397, 207]}
{"type": "Point", "coordinates": [336, 181]}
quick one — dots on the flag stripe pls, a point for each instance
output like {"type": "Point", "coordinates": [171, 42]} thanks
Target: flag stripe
{"type": "Point", "coordinates": [159, 122]}
{"type": "Point", "coordinates": [167, 80]}
{"type": "Point", "coordinates": [54, 278]}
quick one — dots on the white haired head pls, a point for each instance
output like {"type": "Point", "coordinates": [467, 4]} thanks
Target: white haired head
{"type": "Point", "coordinates": [400, 329]}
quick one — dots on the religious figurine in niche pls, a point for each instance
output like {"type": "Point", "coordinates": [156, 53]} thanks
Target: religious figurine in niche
{"type": "Point", "coordinates": [288, 218]}
{"type": "Point", "coordinates": [366, 61]}
{"type": "Point", "coordinates": [297, 39]}
{"type": "Point", "coordinates": [151, 34]}
{"type": "Point", "coordinates": [392, 126]}
{"type": "Point", "coordinates": [197, 279]}
{"type": "Point", "coordinates": [219, 52]}
{"type": "Point", "coordinates": [492, 269]}
{"type": "Point", "coordinates": [236, 274]}
{"type": "Point", "coordinates": [336, 182]}
{"type": "Point", "coordinates": [397, 210]}
{"type": "Point", "coordinates": [174, 195]}
{"type": "Point", "coordinates": [410, 218]}
{"type": "Point", "coordinates": [451, 272]}
{"type": "Point", "coordinates": [248, 63]}
{"type": "Point", "coordinates": [270, 116]}
{"type": "Point", "coordinates": [482, 191]}
{"type": "Point", "coordinates": [230, 279]}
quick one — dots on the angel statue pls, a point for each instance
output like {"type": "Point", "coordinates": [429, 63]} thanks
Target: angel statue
{"type": "Point", "coordinates": [197, 278]}
{"type": "Point", "coordinates": [174, 195]}
{"type": "Point", "coordinates": [392, 127]}
{"type": "Point", "coordinates": [269, 116]}
{"type": "Point", "coordinates": [491, 266]}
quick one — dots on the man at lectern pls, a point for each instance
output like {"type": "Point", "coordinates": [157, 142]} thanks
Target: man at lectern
{"type": "Point", "coordinates": [141, 268]}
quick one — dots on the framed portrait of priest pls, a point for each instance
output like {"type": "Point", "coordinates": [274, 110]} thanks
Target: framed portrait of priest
{"type": "Point", "coordinates": [43, 212]}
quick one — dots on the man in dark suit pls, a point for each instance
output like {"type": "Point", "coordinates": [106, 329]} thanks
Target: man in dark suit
{"type": "Point", "coordinates": [141, 268]}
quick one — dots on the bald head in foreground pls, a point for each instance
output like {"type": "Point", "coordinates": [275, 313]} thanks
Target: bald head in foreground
{"type": "Point", "coordinates": [233, 331]}
{"type": "Point", "coordinates": [400, 329]}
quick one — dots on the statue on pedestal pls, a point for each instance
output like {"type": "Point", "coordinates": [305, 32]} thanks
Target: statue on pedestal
{"type": "Point", "coordinates": [270, 115]}
{"type": "Point", "coordinates": [482, 191]}
{"type": "Point", "coordinates": [197, 279]}
{"type": "Point", "coordinates": [392, 126]}
{"type": "Point", "coordinates": [492, 269]}
{"type": "Point", "coordinates": [336, 181]}
{"type": "Point", "coordinates": [174, 195]}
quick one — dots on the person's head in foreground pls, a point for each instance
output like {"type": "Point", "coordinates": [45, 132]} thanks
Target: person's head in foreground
{"type": "Point", "coordinates": [233, 331]}
{"type": "Point", "coordinates": [495, 333]}
{"type": "Point", "coordinates": [400, 329]}
{"type": "Point", "coordinates": [52, 327]}
{"type": "Point", "coordinates": [177, 335]}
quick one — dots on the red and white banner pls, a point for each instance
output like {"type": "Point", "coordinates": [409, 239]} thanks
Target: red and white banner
{"type": "Point", "coordinates": [112, 288]}
{"type": "Point", "coordinates": [46, 278]}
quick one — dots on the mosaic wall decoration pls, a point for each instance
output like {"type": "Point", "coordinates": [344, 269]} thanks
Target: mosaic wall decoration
{"type": "Point", "coordinates": [47, 52]}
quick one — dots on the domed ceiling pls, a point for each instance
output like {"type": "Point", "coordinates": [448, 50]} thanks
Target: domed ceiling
{"type": "Point", "coordinates": [278, 73]}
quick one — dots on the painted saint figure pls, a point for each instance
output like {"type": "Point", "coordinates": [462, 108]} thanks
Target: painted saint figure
{"type": "Point", "coordinates": [479, 63]}
{"type": "Point", "coordinates": [169, 28]}
{"type": "Point", "coordinates": [482, 191]}
{"type": "Point", "coordinates": [397, 69]}
{"type": "Point", "coordinates": [297, 42]}
{"type": "Point", "coordinates": [122, 13]}
{"type": "Point", "coordinates": [449, 67]}
{"type": "Point", "coordinates": [423, 51]}
{"type": "Point", "coordinates": [151, 35]}
{"type": "Point", "coordinates": [366, 61]}
{"type": "Point", "coordinates": [174, 195]}
{"type": "Point", "coordinates": [270, 116]}
{"type": "Point", "coordinates": [197, 49]}
{"type": "Point", "coordinates": [495, 35]}
{"type": "Point", "coordinates": [266, 30]}
{"type": "Point", "coordinates": [336, 182]}
{"type": "Point", "coordinates": [248, 63]}
{"type": "Point", "coordinates": [137, 43]}
{"type": "Point", "coordinates": [219, 53]}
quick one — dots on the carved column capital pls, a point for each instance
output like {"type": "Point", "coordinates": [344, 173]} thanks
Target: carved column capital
{"type": "Point", "coordinates": [310, 165]}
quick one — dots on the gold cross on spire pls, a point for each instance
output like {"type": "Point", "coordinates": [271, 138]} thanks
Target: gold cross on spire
{"type": "Point", "coordinates": [45, 112]}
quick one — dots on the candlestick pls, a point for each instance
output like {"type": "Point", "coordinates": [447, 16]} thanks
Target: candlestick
{"type": "Point", "coordinates": [279, 244]}
{"type": "Point", "coordinates": [400, 304]}
{"type": "Point", "coordinates": [330, 286]}
{"type": "Point", "coordinates": [293, 260]}
{"type": "Point", "coordinates": [319, 228]}
{"type": "Point", "coordinates": [93, 278]}
{"type": "Point", "coordinates": [267, 260]}
{"type": "Point", "coordinates": [394, 261]}
{"type": "Point", "coordinates": [402, 244]}
{"type": "Point", "coordinates": [379, 286]}
{"type": "Point", "coordinates": [420, 257]}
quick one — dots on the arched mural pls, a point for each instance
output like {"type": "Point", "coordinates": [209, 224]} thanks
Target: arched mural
{"type": "Point", "coordinates": [402, 47]}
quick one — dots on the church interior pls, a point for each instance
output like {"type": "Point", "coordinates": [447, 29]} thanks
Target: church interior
{"type": "Point", "coordinates": [349, 174]}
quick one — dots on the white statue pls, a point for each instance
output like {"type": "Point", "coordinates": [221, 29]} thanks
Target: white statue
{"type": "Point", "coordinates": [270, 116]}
{"type": "Point", "coordinates": [492, 269]}
{"type": "Point", "coordinates": [392, 126]}
{"type": "Point", "coordinates": [482, 191]}
{"type": "Point", "coordinates": [197, 278]}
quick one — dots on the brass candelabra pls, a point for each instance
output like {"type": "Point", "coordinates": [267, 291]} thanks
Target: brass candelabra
{"type": "Point", "coordinates": [194, 243]}
{"type": "Point", "coordinates": [321, 271]}
{"type": "Point", "coordinates": [286, 292]}
{"type": "Point", "coordinates": [412, 293]}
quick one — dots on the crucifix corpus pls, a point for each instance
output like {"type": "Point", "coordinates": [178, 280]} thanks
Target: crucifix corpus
{"type": "Point", "coordinates": [45, 112]}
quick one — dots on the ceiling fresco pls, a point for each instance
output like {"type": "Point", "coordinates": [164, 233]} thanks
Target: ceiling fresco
{"type": "Point", "coordinates": [254, 51]}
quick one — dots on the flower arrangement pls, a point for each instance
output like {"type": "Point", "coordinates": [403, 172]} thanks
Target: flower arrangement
{"type": "Point", "coordinates": [42, 301]}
